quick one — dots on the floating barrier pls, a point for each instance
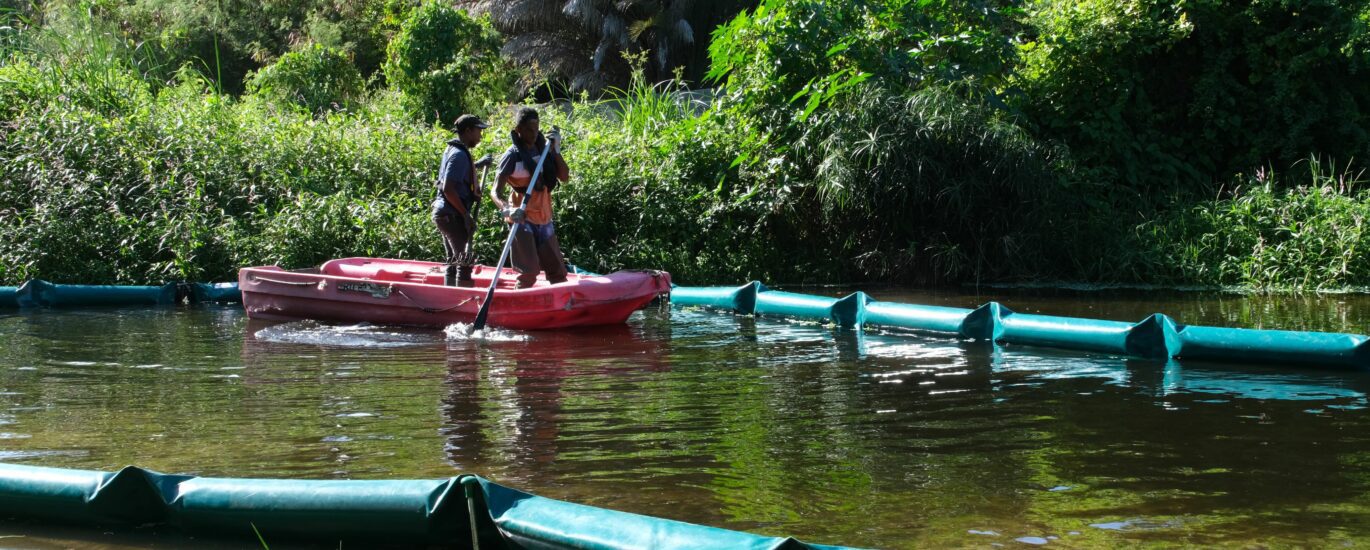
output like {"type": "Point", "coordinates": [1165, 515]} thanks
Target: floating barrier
{"type": "Point", "coordinates": [464, 511]}
{"type": "Point", "coordinates": [215, 292]}
{"type": "Point", "coordinates": [39, 293]}
{"type": "Point", "coordinates": [1156, 337]}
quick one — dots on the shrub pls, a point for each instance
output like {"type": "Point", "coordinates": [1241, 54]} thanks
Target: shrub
{"type": "Point", "coordinates": [185, 184]}
{"type": "Point", "coordinates": [1166, 96]}
{"type": "Point", "coordinates": [1307, 233]}
{"type": "Point", "coordinates": [446, 63]}
{"type": "Point", "coordinates": [315, 78]}
{"type": "Point", "coordinates": [787, 51]}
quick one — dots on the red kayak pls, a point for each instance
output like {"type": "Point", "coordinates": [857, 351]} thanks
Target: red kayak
{"type": "Point", "coordinates": [408, 292]}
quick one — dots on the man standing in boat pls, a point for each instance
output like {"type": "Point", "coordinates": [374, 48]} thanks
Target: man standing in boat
{"type": "Point", "coordinates": [535, 243]}
{"type": "Point", "coordinates": [456, 195]}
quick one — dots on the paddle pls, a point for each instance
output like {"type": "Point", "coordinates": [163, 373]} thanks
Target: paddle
{"type": "Point", "coordinates": [513, 230]}
{"type": "Point", "coordinates": [467, 258]}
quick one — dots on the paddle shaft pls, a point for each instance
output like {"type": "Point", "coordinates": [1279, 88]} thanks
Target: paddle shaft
{"type": "Point", "coordinates": [475, 208]}
{"type": "Point", "coordinates": [504, 255]}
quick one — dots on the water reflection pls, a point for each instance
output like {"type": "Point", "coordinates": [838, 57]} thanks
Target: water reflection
{"type": "Point", "coordinates": [881, 439]}
{"type": "Point", "coordinates": [504, 403]}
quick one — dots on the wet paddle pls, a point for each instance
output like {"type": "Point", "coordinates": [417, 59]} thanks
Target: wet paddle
{"type": "Point", "coordinates": [513, 230]}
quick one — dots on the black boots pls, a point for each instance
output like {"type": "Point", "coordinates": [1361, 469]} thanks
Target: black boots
{"type": "Point", "coordinates": [449, 276]}
{"type": "Point", "coordinates": [458, 275]}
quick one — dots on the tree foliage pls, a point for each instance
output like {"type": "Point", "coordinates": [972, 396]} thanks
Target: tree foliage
{"type": "Point", "coordinates": [228, 39]}
{"type": "Point", "coordinates": [316, 78]}
{"type": "Point", "coordinates": [795, 54]}
{"type": "Point", "coordinates": [584, 45]}
{"type": "Point", "coordinates": [1165, 95]}
{"type": "Point", "coordinates": [446, 63]}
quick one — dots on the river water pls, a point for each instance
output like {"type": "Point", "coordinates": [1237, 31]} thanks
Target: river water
{"type": "Point", "coordinates": [778, 427]}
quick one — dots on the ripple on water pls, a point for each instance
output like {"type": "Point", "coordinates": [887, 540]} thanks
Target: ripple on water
{"type": "Point", "coordinates": [462, 331]}
{"type": "Point", "coordinates": [361, 335]}
{"type": "Point", "coordinates": [24, 455]}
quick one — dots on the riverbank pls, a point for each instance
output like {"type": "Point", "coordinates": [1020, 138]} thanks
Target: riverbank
{"type": "Point", "coordinates": [114, 173]}
{"type": "Point", "coordinates": [116, 182]}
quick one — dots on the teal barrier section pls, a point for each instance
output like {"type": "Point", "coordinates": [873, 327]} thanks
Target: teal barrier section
{"type": "Point", "coordinates": [216, 292]}
{"type": "Point", "coordinates": [741, 299]}
{"type": "Point", "coordinates": [462, 511]}
{"type": "Point", "coordinates": [1156, 337]}
{"type": "Point", "coordinates": [1197, 342]}
{"type": "Point", "coordinates": [39, 293]}
{"type": "Point", "coordinates": [412, 511]}
{"type": "Point", "coordinates": [916, 317]}
{"type": "Point", "coordinates": [9, 296]}
{"type": "Point", "coordinates": [534, 522]}
{"type": "Point", "coordinates": [1049, 331]}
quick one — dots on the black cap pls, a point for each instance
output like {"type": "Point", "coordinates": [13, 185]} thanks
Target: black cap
{"type": "Point", "coordinates": [466, 122]}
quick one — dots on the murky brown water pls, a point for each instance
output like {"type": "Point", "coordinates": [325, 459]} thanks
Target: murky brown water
{"type": "Point", "coordinates": [776, 427]}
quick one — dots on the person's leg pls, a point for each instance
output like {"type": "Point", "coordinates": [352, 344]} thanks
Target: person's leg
{"type": "Point", "coordinates": [553, 262]}
{"type": "Point", "coordinates": [454, 239]}
{"type": "Point", "coordinates": [459, 239]}
{"type": "Point", "coordinates": [443, 220]}
{"type": "Point", "coordinates": [523, 256]}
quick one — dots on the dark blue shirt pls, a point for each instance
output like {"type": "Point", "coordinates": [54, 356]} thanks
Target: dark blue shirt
{"type": "Point", "coordinates": [457, 174]}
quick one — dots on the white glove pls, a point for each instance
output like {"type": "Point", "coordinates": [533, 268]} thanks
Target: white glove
{"type": "Point", "coordinates": [554, 137]}
{"type": "Point", "coordinates": [516, 215]}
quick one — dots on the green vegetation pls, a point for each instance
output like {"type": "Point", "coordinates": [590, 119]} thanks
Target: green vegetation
{"type": "Point", "coordinates": [1127, 141]}
{"type": "Point", "coordinates": [446, 63]}
{"type": "Point", "coordinates": [316, 78]}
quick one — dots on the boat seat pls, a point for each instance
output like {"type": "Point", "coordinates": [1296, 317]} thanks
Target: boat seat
{"type": "Point", "coordinates": [401, 276]}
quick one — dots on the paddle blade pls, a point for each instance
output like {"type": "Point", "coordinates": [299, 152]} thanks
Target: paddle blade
{"type": "Point", "coordinates": [484, 312]}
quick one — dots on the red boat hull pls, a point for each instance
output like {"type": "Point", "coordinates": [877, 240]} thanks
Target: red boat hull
{"type": "Point", "coordinates": [403, 292]}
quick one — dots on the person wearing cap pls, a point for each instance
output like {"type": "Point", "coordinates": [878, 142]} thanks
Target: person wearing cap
{"type": "Point", "coordinates": [456, 188]}
{"type": "Point", "coordinates": [535, 247]}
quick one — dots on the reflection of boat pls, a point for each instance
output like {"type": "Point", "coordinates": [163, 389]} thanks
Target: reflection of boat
{"type": "Point", "coordinates": [411, 293]}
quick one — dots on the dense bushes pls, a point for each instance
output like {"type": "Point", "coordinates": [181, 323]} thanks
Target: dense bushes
{"type": "Point", "coordinates": [1167, 97]}
{"type": "Point", "coordinates": [107, 181]}
{"type": "Point", "coordinates": [315, 78]}
{"type": "Point", "coordinates": [871, 140]}
{"type": "Point", "coordinates": [1309, 236]}
{"type": "Point", "coordinates": [228, 39]}
{"type": "Point", "coordinates": [447, 63]}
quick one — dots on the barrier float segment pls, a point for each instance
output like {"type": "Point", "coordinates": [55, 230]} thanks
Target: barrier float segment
{"type": "Point", "coordinates": [1156, 337]}
{"type": "Point", "coordinates": [40, 293]}
{"type": "Point", "coordinates": [464, 511]}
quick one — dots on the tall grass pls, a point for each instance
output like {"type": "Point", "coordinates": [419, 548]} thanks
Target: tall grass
{"type": "Point", "coordinates": [1266, 236]}
{"type": "Point", "coordinates": [108, 178]}
{"type": "Point", "coordinates": [928, 186]}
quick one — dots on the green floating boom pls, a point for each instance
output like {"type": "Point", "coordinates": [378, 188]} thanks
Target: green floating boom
{"type": "Point", "coordinates": [40, 293]}
{"type": "Point", "coordinates": [463, 511]}
{"type": "Point", "coordinates": [216, 292]}
{"type": "Point", "coordinates": [1156, 337]}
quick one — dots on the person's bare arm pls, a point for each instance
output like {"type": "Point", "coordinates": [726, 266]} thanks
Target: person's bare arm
{"type": "Point", "coordinates": [563, 171]}
{"type": "Point", "coordinates": [497, 191]}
